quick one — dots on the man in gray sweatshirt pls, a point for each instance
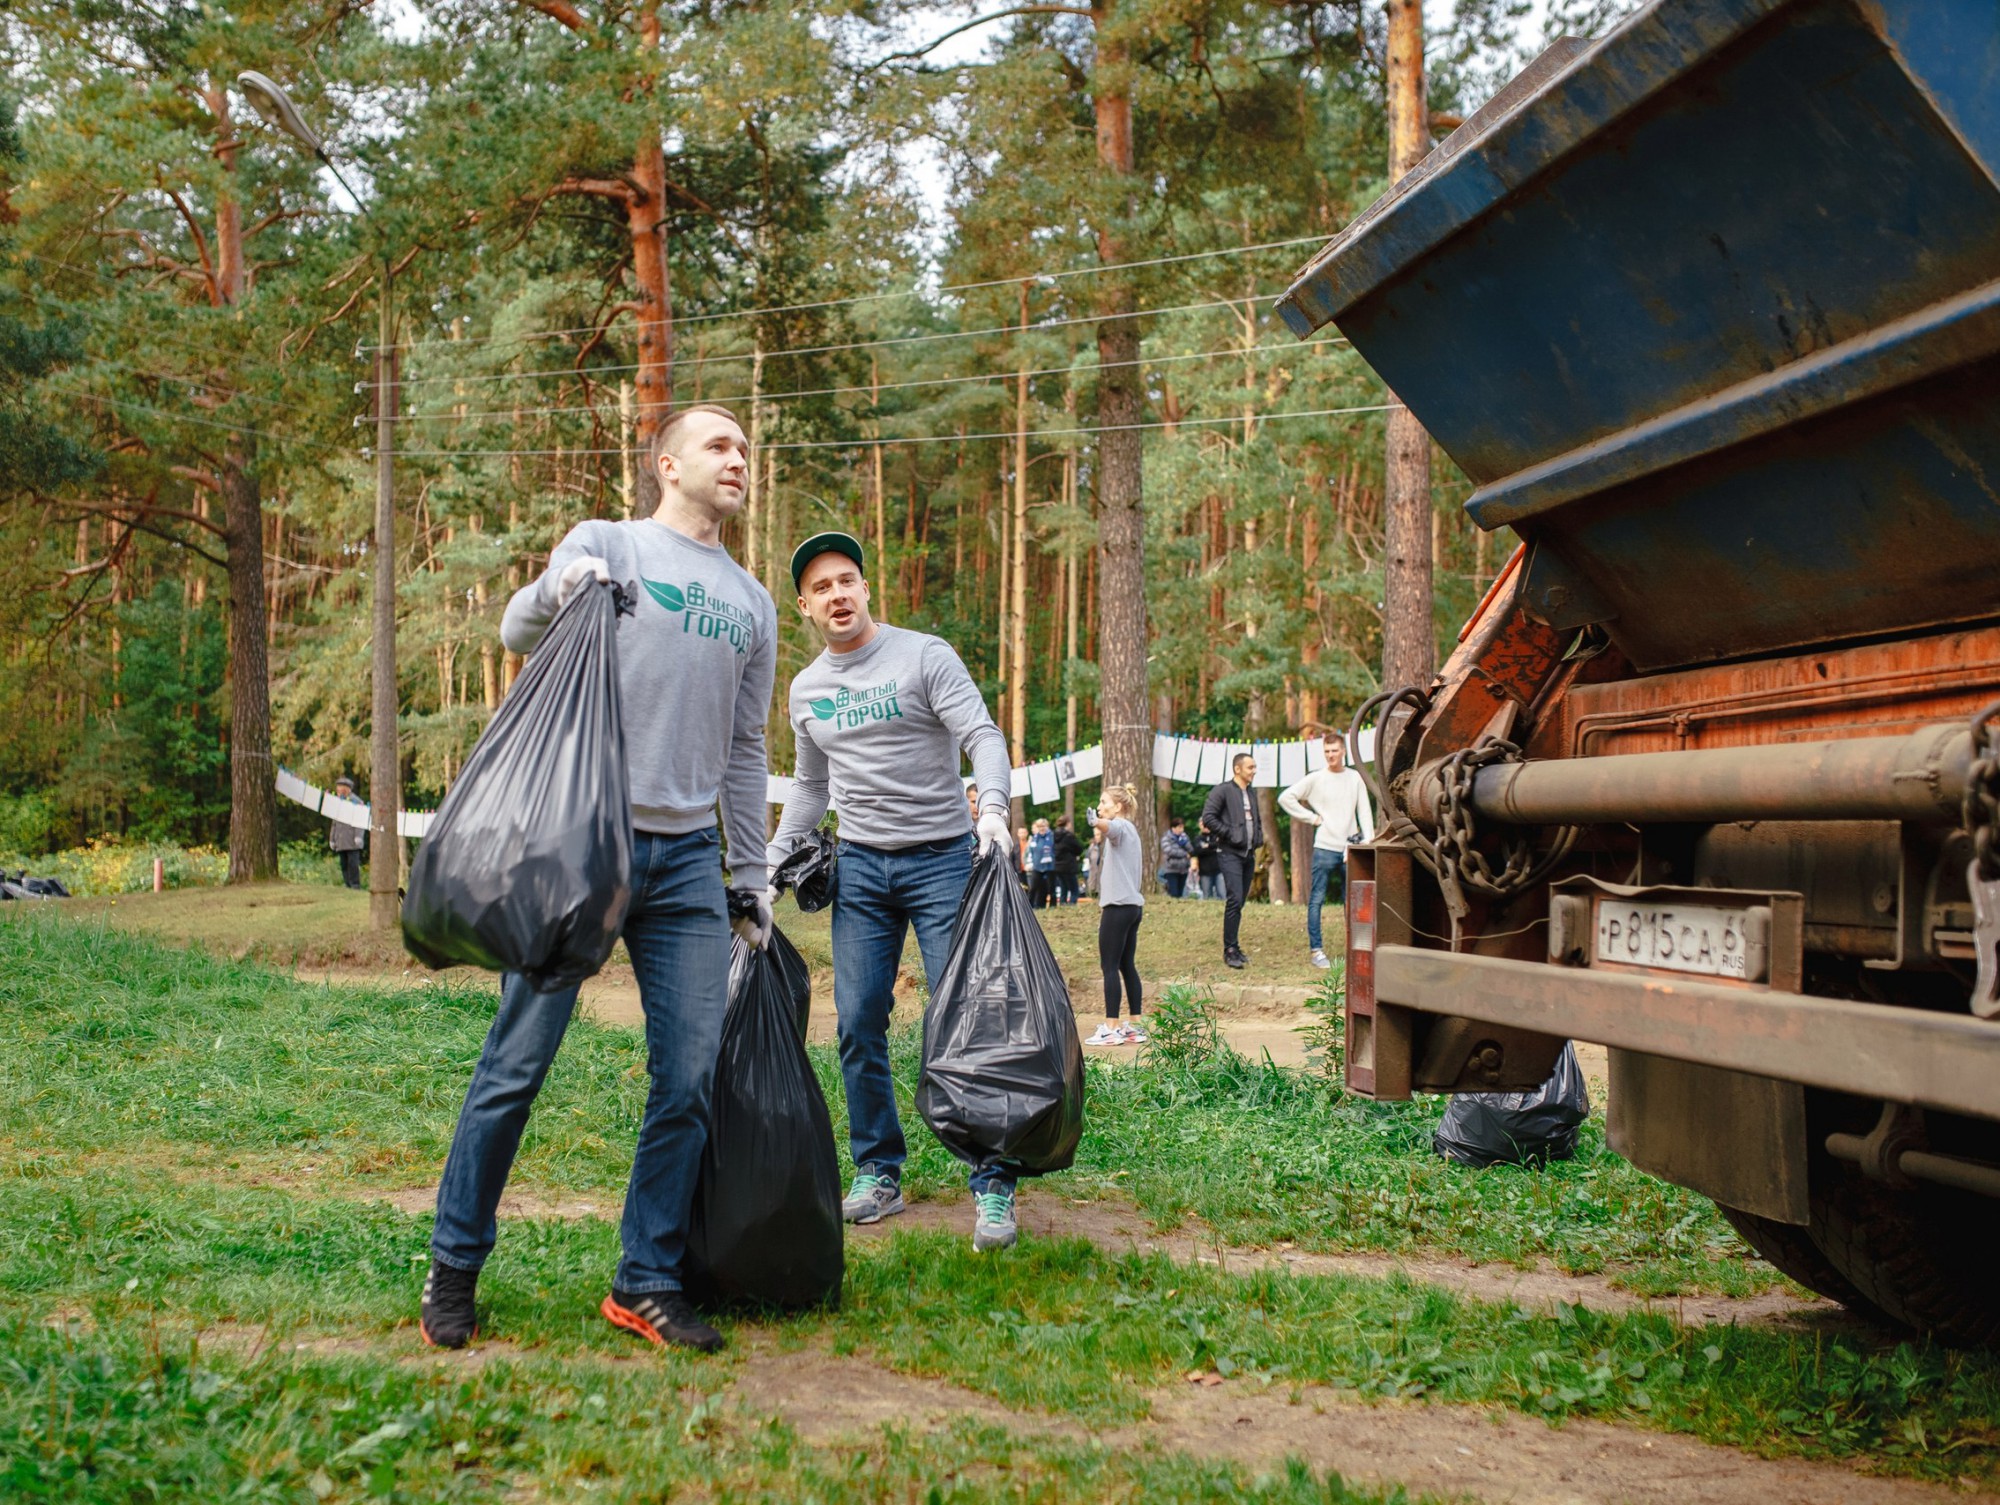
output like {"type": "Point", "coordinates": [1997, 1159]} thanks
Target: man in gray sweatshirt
{"type": "Point", "coordinates": [695, 670]}
{"type": "Point", "coordinates": [881, 717]}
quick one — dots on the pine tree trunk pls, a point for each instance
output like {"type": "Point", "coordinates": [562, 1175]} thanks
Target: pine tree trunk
{"type": "Point", "coordinates": [1121, 520]}
{"type": "Point", "coordinates": [645, 218]}
{"type": "Point", "coordinates": [1409, 643]}
{"type": "Point", "coordinates": [253, 799]}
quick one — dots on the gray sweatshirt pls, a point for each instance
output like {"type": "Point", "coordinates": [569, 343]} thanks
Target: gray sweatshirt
{"type": "Point", "coordinates": [880, 729]}
{"type": "Point", "coordinates": [696, 664]}
{"type": "Point", "coordinates": [1118, 882]}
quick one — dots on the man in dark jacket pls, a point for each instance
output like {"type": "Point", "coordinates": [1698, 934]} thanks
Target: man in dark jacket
{"type": "Point", "coordinates": [347, 840]}
{"type": "Point", "coordinates": [1231, 816]}
{"type": "Point", "coordinates": [1069, 853]}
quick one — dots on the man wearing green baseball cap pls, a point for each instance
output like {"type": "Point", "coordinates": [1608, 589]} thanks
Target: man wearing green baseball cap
{"type": "Point", "coordinates": [881, 717]}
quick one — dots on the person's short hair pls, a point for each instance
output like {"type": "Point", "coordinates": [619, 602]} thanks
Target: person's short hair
{"type": "Point", "coordinates": [1240, 759]}
{"type": "Point", "coordinates": [668, 434]}
{"type": "Point", "coordinates": [1175, 824]}
{"type": "Point", "coordinates": [1062, 822]}
{"type": "Point", "coordinates": [343, 779]}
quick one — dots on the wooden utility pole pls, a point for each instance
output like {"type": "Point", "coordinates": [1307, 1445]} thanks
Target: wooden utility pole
{"type": "Point", "coordinates": [1409, 643]}
{"type": "Point", "coordinates": [1017, 652]}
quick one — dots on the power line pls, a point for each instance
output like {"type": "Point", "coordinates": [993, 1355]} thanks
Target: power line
{"type": "Point", "coordinates": [1106, 428]}
{"type": "Point", "coordinates": [955, 287]}
{"type": "Point", "coordinates": [904, 339]}
{"type": "Point", "coordinates": [894, 386]}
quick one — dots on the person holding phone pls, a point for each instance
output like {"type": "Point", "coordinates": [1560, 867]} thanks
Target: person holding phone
{"type": "Point", "coordinates": [1121, 906]}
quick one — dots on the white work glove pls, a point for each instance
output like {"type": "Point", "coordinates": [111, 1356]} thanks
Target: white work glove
{"type": "Point", "coordinates": [994, 838]}
{"type": "Point", "coordinates": [756, 929]}
{"type": "Point", "coordinates": [590, 567]}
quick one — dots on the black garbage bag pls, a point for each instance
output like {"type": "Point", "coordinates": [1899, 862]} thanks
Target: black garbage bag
{"type": "Point", "coordinates": [808, 871]}
{"type": "Point", "coordinates": [766, 1223]}
{"type": "Point", "coordinates": [1517, 1128]}
{"type": "Point", "coordinates": [1002, 1078]}
{"type": "Point", "coordinates": [47, 888]}
{"type": "Point", "coordinates": [528, 865]}
{"type": "Point", "coordinates": [791, 966]}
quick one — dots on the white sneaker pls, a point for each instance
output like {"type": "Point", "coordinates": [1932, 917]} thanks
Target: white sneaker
{"type": "Point", "coordinates": [1320, 961]}
{"type": "Point", "coordinates": [1107, 1034]}
{"type": "Point", "coordinates": [1135, 1034]}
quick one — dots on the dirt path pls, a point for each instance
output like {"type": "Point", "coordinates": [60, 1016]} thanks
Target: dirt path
{"type": "Point", "coordinates": [1489, 1455]}
{"type": "Point", "coordinates": [1118, 1228]}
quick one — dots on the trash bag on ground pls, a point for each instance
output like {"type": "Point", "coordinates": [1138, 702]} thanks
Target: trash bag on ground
{"type": "Point", "coordinates": [808, 872]}
{"type": "Point", "coordinates": [765, 1226]}
{"type": "Point", "coordinates": [528, 864]}
{"type": "Point", "coordinates": [1517, 1128]}
{"type": "Point", "coordinates": [1002, 1078]}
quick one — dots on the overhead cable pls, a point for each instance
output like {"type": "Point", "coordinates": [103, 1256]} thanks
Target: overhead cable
{"type": "Point", "coordinates": [887, 386]}
{"type": "Point", "coordinates": [893, 440]}
{"type": "Point", "coordinates": [901, 339]}
{"type": "Point", "coordinates": [793, 308]}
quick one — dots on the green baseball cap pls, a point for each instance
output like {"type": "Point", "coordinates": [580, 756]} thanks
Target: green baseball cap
{"type": "Point", "coordinates": [825, 543]}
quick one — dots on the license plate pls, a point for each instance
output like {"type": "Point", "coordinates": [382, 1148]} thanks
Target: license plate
{"type": "Point", "coordinates": [1705, 939]}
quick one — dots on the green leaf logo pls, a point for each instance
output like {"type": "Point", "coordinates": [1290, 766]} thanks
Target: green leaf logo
{"type": "Point", "coordinates": [668, 596]}
{"type": "Point", "coordinates": [822, 709]}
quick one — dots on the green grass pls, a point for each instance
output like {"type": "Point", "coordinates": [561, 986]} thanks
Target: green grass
{"type": "Point", "coordinates": [312, 924]}
{"type": "Point", "coordinates": [138, 1414]}
{"type": "Point", "coordinates": [144, 1093]}
{"type": "Point", "coordinates": [118, 1044]}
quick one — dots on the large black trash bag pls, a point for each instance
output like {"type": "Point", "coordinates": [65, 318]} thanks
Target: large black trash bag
{"type": "Point", "coordinates": [528, 866]}
{"type": "Point", "coordinates": [808, 871]}
{"type": "Point", "coordinates": [766, 1220]}
{"type": "Point", "coordinates": [1002, 1074]}
{"type": "Point", "coordinates": [1517, 1128]}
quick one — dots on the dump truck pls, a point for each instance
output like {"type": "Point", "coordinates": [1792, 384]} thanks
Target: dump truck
{"type": "Point", "coordinates": [1708, 312]}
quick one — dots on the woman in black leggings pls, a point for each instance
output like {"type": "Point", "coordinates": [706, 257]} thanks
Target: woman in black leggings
{"type": "Point", "coordinates": [1121, 906]}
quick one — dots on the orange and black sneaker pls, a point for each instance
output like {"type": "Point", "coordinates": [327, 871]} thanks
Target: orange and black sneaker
{"type": "Point", "coordinates": [447, 1318]}
{"type": "Point", "coordinates": [661, 1317]}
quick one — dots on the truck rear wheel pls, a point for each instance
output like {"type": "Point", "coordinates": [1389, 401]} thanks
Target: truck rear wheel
{"type": "Point", "coordinates": [1922, 1256]}
{"type": "Point", "coordinates": [1792, 1252]}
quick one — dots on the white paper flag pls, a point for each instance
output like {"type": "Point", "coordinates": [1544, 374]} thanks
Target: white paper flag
{"type": "Point", "coordinates": [1163, 756]}
{"type": "Point", "coordinates": [1187, 760]}
{"type": "Point", "coordinates": [1366, 751]}
{"type": "Point", "coordinates": [1315, 754]}
{"type": "Point", "coordinates": [1214, 763]}
{"type": "Point", "coordinates": [347, 812]}
{"type": "Point", "coordinates": [1042, 786]}
{"type": "Point", "coordinates": [777, 789]}
{"type": "Point", "coordinates": [1017, 784]}
{"type": "Point", "coordinates": [1291, 763]}
{"type": "Point", "coordinates": [1090, 763]}
{"type": "Point", "coordinates": [1266, 776]}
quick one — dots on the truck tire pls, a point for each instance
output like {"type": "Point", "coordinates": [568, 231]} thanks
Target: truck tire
{"type": "Point", "coordinates": [1922, 1256]}
{"type": "Point", "coordinates": [1791, 1251]}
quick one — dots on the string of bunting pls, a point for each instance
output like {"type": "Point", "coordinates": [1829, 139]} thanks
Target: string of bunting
{"type": "Point", "coordinates": [1183, 760]}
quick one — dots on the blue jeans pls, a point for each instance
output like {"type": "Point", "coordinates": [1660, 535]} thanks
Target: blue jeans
{"type": "Point", "coordinates": [1326, 865]}
{"type": "Point", "coordinates": [879, 896]}
{"type": "Point", "coordinates": [678, 933]}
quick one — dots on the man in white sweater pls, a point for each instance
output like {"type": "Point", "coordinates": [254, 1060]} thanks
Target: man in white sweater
{"type": "Point", "coordinates": [1334, 802]}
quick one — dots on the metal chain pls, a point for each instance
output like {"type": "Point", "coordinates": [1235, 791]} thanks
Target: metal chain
{"type": "Point", "coordinates": [1981, 809]}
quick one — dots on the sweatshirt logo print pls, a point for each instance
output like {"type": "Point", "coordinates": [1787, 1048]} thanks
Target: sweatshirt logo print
{"type": "Point", "coordinates": [704, 615]}
{"type": "Point", "coordinates": [847, 709]}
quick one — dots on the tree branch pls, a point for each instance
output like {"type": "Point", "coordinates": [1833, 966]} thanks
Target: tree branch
{"type": "Point", "coordinates": [564, 12]}
{"type": "Point", "coordinates": [998, 15]}
{"type": "Point", "coordinates": [596, 188]}
{"type": "Point", "coordinates": [200, 244]}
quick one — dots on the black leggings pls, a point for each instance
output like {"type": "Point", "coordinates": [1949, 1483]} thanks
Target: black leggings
{"type": "Point", "coordinates": [1118, 954]}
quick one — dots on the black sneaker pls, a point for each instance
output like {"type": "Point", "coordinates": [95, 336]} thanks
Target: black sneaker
{"type": "Point", "coordinates": [447, 1318]}
{"type": "Point", "coordinates": [661, 1317]}
{"type": "Point", "coordinates": [1236, 958]}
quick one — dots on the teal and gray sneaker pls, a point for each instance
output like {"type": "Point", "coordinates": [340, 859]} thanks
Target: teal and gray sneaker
{"type": "Point", "coordinates": [872, 1198]}
{"type": "Point", "coordinates": [993, 1225]}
